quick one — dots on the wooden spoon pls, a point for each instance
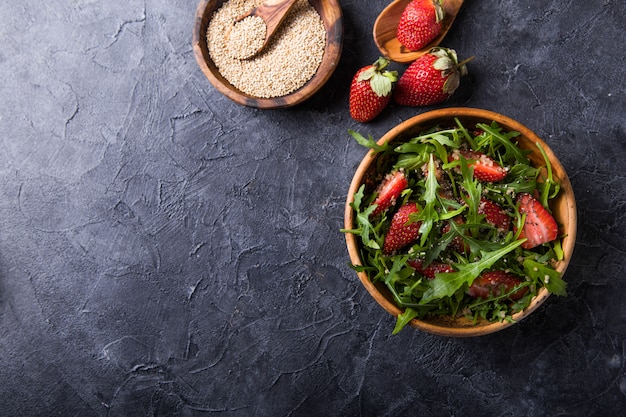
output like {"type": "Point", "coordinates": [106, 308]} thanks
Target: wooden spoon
{"type": "Point", "coordinates": [273, 12]}
{"type": "Point", "coordinates": [386, 26]}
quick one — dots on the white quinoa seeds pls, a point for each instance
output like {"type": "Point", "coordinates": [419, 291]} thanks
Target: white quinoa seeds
{"type": "Point", "coordinates": [290, 59]}
{"type": "Point", "coordinates": [246, 37]}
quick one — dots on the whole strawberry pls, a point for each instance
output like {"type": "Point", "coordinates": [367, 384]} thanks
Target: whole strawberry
{"type": "Point", "coordinates": [420, 23]}
{"type": "Point", "coordinates": [370, 91]}
{"type": "Point", "coordinates": [430, 79]}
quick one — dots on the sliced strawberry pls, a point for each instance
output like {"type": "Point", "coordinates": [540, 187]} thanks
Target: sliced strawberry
{"type": "Point", "coordinates": [496, 283]}
{"type": "Point", "coordinates": [401, 232]}
{"type": "Point", "coordinates": [494, 214]}
{"type": "Point", "coordinates": [457, 243]}
{"type": "Point", "coordinates": [539, 226]}
{"type": "Point", "coordinates": [485, 168]}
{"type": "Point", "coordinates": [389, 190]}
{"type": "Point", "coordinates": [430, 270]}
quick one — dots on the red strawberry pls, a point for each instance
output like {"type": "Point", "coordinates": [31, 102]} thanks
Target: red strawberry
{"type": "Point", "coordinates": [370, 91]}
{"type": "Point", "coordinates": [539, 226]}
{"type": "Point", "coordinates": [496, 283]}
{"type": "Point", "coordinates": [494, 214]}
{"type": "Point", "coordinates": [389, 190]}
{"type": "Point", "coordinates": [430, 79]}
{"type": "Point", "coordinates": [401, 232]}
{"type": "Point", "coordinates": [432, 268]}
{"type": "Point", "coordinates": [485, 168]}
{"type": "Point", "coordinates": [420, 23]}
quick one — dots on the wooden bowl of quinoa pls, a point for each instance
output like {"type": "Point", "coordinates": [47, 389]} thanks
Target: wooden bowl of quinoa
{"type": "Point", "coordinates": [299, 60]}
{"type": "Point", "coordinates": [563, 208]}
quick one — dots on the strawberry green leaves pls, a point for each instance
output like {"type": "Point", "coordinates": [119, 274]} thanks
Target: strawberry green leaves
{"type": "Point", "coordinates": [381, 82]}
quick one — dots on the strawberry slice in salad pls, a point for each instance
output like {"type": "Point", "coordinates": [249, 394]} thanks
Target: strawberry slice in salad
{"type": "Point", "coordinates": [462, 234]}
{"type": "Point", "coordinates": [539, 226]}
{"type": "Point", "coordinates": [497, 283]}
{"type": "Point", "coordinates": [430, 270]}
{"type": "Point", "coordinates": [494, 214]}
{"type": "Point", "coordinates": [389, 190]}
{"type": "Point", "coordinates": [403, 231]}
{"type": "Point", "coordinates": [486, 169]}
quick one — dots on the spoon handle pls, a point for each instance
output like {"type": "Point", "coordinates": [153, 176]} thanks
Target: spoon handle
{"type": "Point", "coordinates": [276, 13]}
{"type": "Point", "coordinates": [273, 12]}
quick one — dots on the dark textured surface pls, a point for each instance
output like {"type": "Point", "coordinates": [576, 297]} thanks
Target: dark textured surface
{"type": "Point", "coordinates": [164, 251]}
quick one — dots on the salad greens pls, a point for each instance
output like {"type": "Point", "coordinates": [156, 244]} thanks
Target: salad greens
{"type": "Point", "coordinates": [444, 188]}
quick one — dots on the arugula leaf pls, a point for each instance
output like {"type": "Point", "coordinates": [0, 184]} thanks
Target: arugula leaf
{"type": "Point", "coordinates": [465, 133]}
{"type": "Point", "coordinates": [404, 318]}
{"type": "Point", "coordinates": [438, 246]}
{"type": "Point", "coordinates": [522, 178]}
{"type": "Point", "coordinates": [369, 142]}
{"type": "Point", "coordinates": [412, 155]}
{"type": "Point", "coordinates": [446, 284]}
{"type": "Point", "coordinates": [504, 139]}
{"type": "Point", "coordinates": [414, 147]}
{"type": "Point", "coordinates": [366, 230]}
{"type": "Point", "coordinates": [548, 182]}
{"type": "Point", "coordinates": [558, 250]}
{"type": "Point", "coordinates": [547, 275]}
{"type": "Point", "coordinates": [473, 191]}
{"type": "Point", "coordinates": [428, 215]}
{"type": "Point", "coordinates": [441, 138]}
{"type": "Point", "coordinates": [358, 197]}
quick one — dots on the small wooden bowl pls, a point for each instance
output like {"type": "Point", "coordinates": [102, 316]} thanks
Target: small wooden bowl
{"type": "Point", "coordinates": [329, 11]}
{"type": "Point", "coordinates": [563, 208]}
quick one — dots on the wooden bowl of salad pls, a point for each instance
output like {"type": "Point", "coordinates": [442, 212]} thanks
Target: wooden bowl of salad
{"type": "Point", "coordinates": [460, 222]}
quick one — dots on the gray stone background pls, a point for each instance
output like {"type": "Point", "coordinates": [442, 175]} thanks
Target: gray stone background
{"type": "Point", "coordinates": [165, 251]}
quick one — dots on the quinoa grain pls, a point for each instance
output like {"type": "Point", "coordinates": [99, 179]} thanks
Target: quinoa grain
{"type": "Point", "coordinates": [290, 59]}
{"type": "Point", "coordinates": [246, 37]}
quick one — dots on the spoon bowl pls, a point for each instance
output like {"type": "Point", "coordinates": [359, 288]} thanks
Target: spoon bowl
{"type": "Point", "coordinates": [386, 26]}
{"type": "Point", "coordinates": [273, 12]}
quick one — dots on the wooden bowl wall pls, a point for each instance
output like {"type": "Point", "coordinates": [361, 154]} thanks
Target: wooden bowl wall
{"type": "Point", "coordinates": [563, 208]}
{"type": "Point", "coordinates": [329, 11]}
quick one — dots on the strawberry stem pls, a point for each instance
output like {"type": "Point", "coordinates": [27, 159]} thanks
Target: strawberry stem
{"type": "Point", "coordinates": [381, 63]}
{"type": "Point", "coordinates": [465, 61]}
